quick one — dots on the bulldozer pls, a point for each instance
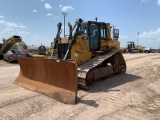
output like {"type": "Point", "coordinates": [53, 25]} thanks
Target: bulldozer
{"type": "Point", "coordinates": [86, 55]}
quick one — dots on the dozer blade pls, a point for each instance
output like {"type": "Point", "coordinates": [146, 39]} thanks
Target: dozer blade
{"type": "Point", "coordinates": [52, 77]}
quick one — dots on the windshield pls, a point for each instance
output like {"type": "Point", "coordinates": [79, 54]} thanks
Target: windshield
{"type": "Point", "coordinates": [94, 30]}
{"type": "Point", "coordinates": [84, 29]}
{"type": "Point", "coordinates": [94, 38]}
{"type": "Point", "coordinates": [17, 52]}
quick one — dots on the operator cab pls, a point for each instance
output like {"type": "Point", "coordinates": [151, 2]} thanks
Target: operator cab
{"type": "Point", "coordinates": [96, 31]}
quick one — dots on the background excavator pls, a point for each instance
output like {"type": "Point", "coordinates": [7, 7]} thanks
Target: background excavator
{"type": "Point", "coordinates": [77, 60]}
{"type": "Point", "coordinates": [7, 44]}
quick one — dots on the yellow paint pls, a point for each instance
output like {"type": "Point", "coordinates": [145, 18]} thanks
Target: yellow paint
{"type": "Point", "coordinates": [80, 51]}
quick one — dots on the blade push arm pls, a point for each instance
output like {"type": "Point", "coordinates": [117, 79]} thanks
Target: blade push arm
{"type": "Point", "coordinates": [78, 24]}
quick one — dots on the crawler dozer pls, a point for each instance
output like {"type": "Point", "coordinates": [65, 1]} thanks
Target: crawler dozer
{"type": "Point", "coordinates": [77, 60]}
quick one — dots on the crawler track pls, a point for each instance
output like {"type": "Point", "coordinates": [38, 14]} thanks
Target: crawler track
{"type": "Point", "coordinates": [99, 67]}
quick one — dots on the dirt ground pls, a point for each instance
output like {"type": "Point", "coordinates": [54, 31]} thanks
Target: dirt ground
{"type": "Point", "coordinates": [134, 95]}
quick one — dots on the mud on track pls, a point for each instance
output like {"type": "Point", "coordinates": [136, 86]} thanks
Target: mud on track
{"type": "Point", "coordinates": [131, 96]}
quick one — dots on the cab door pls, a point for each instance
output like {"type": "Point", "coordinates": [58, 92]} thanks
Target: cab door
{"type": "Point", "coordinates": [94, 40]}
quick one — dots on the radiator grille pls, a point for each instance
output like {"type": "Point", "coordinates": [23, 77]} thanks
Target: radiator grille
{"type": "Point", "coordinates": [62, 49]}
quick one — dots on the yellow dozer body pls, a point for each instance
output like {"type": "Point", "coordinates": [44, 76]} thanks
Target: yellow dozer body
{"type": "Point", "coordinates": [79, 60]}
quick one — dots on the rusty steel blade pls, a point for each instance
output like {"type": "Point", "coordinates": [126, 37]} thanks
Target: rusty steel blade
{"type": "Point", "coordinates": [52, 77]}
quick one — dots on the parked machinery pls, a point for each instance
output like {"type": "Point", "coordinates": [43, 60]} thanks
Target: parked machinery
{"type": "Point", "coordinates": [140, 48]}
{"type": "Point", "coordinates": [7, 44]}
{"type": "Point", "coordinates": [132, 48]}
{"type": "Point", "coordinates": [40, 50]}
{"type": "Point", "coordinates": [79, 60]}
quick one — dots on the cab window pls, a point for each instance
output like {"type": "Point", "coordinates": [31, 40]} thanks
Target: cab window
{"type": "Point", "coordinates": [103, 33]}
{"type": "Point", "coordinates": [84, 29]}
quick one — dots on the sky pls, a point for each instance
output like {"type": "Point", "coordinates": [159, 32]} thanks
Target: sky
{"type": "Point", "coordinates": [36, 20]}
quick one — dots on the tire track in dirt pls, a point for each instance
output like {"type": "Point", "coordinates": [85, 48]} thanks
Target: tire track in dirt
{"type": "Point", "coordinates": [114, 99]}
{"type": "Point", "coordinates": [139, 57]}
{"type": "Point", "coordinates": [119, 97]}
{"type": "Point", "coordinates": [8, 74]}
{"type": "Point", "coordinates": [25, 107]}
